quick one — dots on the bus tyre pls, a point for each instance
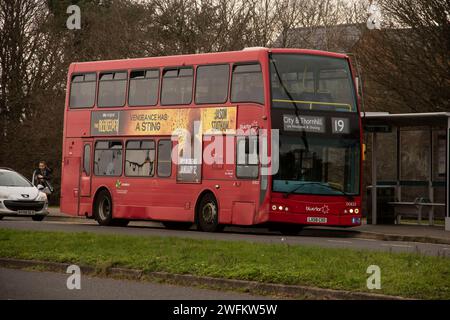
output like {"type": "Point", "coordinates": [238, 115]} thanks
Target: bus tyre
{"type": "Point", "coordinates": [103, 209]}
{"type": "Point", "coordinates": [208, 214]}
{"type": "Point", "coordinates": [38, 217]}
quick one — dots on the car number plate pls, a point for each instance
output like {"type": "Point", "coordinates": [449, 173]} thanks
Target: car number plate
{"type": "Point", "coordinates": [317, 219]}
{"type": "Point", "coordinates": [27, 212]}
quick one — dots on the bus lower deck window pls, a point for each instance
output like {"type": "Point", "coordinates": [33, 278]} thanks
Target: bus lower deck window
{"type": "Point", "coordinates": [108, 158]}
{"type": "Point", "coordinates": [164, 158]}
{"type": "Point", "coordinates": [247, 157]}
{"type": "Point", "coordinates": [140, 158]}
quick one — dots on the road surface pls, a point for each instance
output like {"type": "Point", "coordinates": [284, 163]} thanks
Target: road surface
{"type": "Point", "coordinates": [30, 285]}
{"type": "Point", "coordinates": [230, 234]}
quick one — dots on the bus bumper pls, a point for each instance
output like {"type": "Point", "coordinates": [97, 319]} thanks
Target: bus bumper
{"type": "Point", "coordinates": [316, 220]}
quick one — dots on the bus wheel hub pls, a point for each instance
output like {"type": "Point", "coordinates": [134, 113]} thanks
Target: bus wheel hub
{"type": "Point", "coordinates": [209, 213]}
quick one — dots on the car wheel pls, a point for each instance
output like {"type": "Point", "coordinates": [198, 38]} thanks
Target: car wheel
{"type": "Point", "coordinates": [103, 209]}
{"type": "Point", "coordinates": [38, 217]}
{"type": "Point", "coordinates": [175, 225]}
{"type": "Point", "coordinates": [208, 214]}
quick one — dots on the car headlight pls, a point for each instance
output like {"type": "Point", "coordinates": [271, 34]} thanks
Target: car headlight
{"type": "Point", "coordinates": [42, 197]}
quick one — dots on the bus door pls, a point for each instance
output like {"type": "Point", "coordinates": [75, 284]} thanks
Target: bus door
{"type": "Point", "coordinates": [86, 168]}
{"type": "Point", "coordinates": [70, 186]}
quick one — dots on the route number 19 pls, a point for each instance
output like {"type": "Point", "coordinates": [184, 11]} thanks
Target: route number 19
{"type": "Point", "coordinates": [340, 125]}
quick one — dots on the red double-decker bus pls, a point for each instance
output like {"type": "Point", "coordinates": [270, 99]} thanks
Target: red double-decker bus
{"type": "Point", "coordinates": [122, 159]}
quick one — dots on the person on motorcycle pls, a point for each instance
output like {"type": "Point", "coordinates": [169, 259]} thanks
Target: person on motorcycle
{"type": "Point", "coordinates": [42, 176]}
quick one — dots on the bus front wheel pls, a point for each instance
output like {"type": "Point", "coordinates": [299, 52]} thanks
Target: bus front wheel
{"type": "Point", "coordinates": [103, 209]}
{"type": "Point", "coordinates": [208, 214]}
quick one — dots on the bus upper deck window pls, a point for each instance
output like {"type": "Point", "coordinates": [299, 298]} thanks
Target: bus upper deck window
{"type": "Point", "coordinates": [177, 86]}
{"type": "Point", "coordinates": [144, 85]}
{"type": "Point", "coordinates": [111, 89]}
{"type": "Point", "coordinates": [247, 83]}
{"type": "Point", "coordinates": [212, 84]}
{"type": "Point", "coordinates": [82, 90]}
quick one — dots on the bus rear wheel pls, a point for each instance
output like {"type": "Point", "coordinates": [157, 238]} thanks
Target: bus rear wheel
{"type": "Point", "coordinates": [103, 209]}
{"type": "Point", "coordinates": [208, 214]}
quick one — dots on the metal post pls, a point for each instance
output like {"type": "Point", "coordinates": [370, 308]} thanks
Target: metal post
{"type": "Point", "coordinates": [430, 180]}
{"type": "Point", "coordinates": [447, 169]}
{"type": "Point", "coordinates": [399, 168]}
{"type": "Point", "coordinates": [374, 178]}
{"type": "Point", "coordinates": [419, 216]}
{"type": "Point", "coordinates": [398, 187]}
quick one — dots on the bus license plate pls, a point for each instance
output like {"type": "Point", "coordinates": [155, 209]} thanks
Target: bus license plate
{"type": "Point", "coordinates": [26, 212]}
{"type": "Point", "coordinates": [316, 219]}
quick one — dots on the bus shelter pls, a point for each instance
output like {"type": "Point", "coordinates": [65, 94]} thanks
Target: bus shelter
{"type": "Point", "coordinates": [430, 151]}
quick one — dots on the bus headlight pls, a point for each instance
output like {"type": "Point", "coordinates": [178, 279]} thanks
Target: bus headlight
{"type": "Point", "coordinates": [274, 207]}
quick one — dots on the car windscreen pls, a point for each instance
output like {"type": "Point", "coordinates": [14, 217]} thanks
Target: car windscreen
{"type": "Point", "coordinates": [13, 179]}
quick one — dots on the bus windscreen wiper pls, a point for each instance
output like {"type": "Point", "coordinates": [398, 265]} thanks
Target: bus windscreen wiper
{"type": "Point", "coordinates": [339, 190]}
{"type": "Point", "coordinates": [280, 80]}
{"type": "Point", "coordinates": [287, 194]}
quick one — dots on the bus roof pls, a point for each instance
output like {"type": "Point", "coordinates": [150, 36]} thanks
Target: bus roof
{"type": "Point", "coordinates": [248, 54]}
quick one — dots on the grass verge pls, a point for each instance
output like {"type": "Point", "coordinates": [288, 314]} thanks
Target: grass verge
{"type": "Point", "coordinates": [407, 275]}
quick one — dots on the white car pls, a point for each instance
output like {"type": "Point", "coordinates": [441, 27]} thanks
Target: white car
{"type": "Point", "coordinates": [18, 197]}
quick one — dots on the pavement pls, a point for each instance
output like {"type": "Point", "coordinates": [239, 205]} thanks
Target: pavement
{"type": "Point", "coordinates": [406, 230]}
{"type": "Point", "coordinates": [311, 237]}
{"type": "Point", "coordinates": [31, 285]}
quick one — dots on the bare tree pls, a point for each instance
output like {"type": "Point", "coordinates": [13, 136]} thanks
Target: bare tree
{"type": "Point", "coordinates": [407, 63]}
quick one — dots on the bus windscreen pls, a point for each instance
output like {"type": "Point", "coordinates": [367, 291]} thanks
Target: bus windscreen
{"type": "Point", "coordinates": [318, 166]}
